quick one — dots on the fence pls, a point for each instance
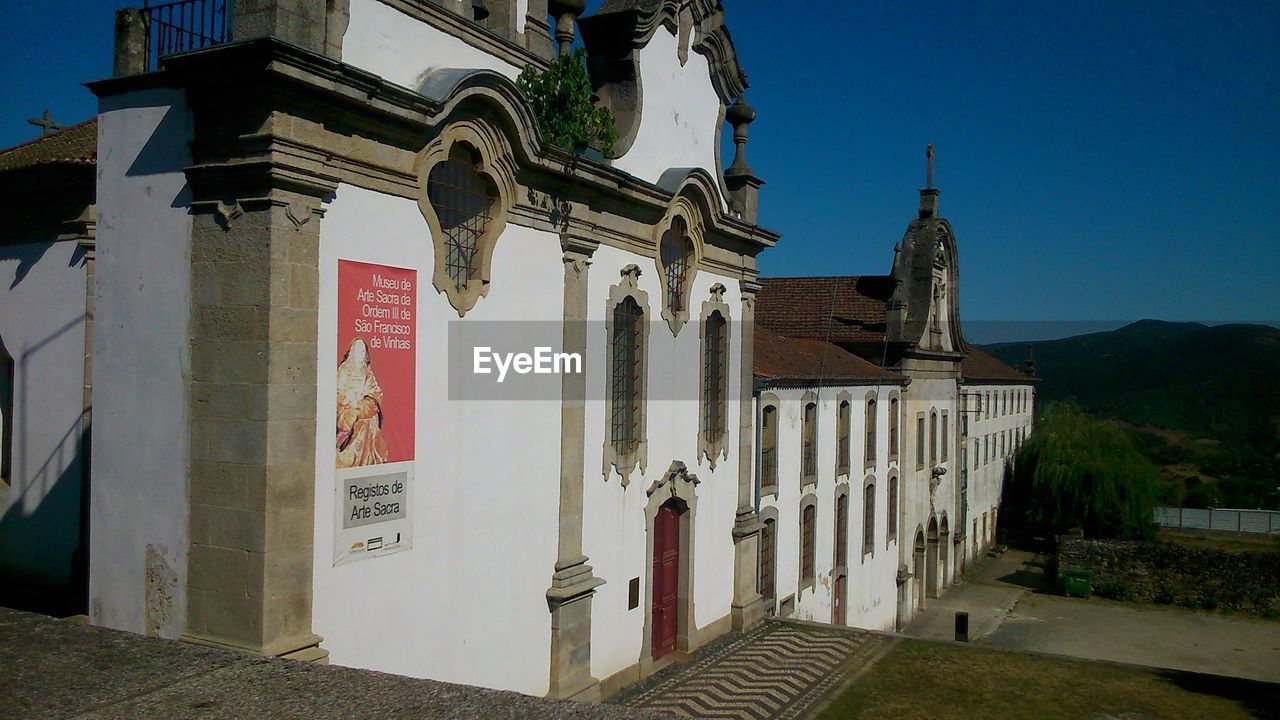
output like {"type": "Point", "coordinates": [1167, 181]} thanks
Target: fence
{"type": "Point", "coordinates": [1237, 521]}
{"type": "Point", "coordinates": [174, 27]}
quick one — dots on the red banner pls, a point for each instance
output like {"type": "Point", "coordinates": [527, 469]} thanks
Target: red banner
{"type": "Point", "coordinates": [377, 347]}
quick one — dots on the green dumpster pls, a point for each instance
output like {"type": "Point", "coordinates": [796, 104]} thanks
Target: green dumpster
{"type": "Point", "coordinates": [1077, 582]}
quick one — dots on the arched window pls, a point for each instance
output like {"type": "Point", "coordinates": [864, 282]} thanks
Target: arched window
{"type": "Point", "coordinates": [463, 200]}
{"type": "Point", "coordinates": [627, 364]}
{"type": "Point", "coordinates": [769, 449]}
{"type": "Point", "coordinates": [842, 530]}
{"type": "Point", "coordinates": [715, 373]}
{"type": "Point", "coordinates": [6, 414]}
{"type": "Point", "coordinates": [943, 450]}
{"type": "Point", "coordinates": [869, 452]}
{"type": "Point", "coordinates": [891, 518]}
{"type": "Point", "coordinates": [869, 518]}
{"type": "Point", "coordinates": [933, 437]}
{"type": "Point", "coordinates": [809, 444]}
{"type": "Point", "coordinates": [676, 251]}
{"type": "Point", "coordinates": [893, 428]}
{"type": "Point", "coordinates": [808, 541]}
{"type": "Point", "coordinates": [842, 437]}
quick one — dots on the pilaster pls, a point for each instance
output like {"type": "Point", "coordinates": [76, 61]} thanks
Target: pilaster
{"type": "Point", "coordinates": [748, 607]}
{"type": "Point", "coordinates": [254, 267]}
{"type": "Point", "coordinates": [573, 584]}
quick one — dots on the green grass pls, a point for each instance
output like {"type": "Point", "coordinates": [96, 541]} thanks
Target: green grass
{"type": "Point", "coordinates": [920, 680]}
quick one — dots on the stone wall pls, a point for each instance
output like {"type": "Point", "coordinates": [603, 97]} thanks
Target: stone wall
{"type": "Point", "coordinates": [1169, 573]}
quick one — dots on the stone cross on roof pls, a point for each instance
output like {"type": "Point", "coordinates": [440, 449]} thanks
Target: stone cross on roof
{"type": "Point", "coordinates": [928, 175]}
{"type": "Point", "coordinates": [46, 124]}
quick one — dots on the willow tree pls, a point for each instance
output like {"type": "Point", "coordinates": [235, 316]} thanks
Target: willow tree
{"type": "Point", "coordinates": [1077, 471]}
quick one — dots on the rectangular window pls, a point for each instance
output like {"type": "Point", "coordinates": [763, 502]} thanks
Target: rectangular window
{"type": "Point", "coordinates": [869, 519]}
{"type": "Point", "coordinates": [769, 448]}
{"type": "Point", "coordinates": [920, 440]}
{"type": "Point", "coordinates": [627, 365]}
{"type": "Point", "coordinates": [933, 439]}
{"type": "Point", "coordinates": [714, 378]}
{"type": "Point", "coordinates": [809, 451]}
{"type": "Point", "coordinates": [842, 438]}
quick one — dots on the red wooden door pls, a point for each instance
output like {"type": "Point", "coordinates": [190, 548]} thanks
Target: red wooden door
{"type": "Point", "coordinates": [837, 614]}
{"type": "Point", "coordinates": [666, 579]}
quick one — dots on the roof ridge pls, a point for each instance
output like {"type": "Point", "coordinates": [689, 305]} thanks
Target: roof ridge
{"type": "Point", "coordinates": [42, 138]}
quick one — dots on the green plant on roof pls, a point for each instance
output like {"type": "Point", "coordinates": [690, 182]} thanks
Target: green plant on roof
{"type": "Point", "coordinates": [561, 101]}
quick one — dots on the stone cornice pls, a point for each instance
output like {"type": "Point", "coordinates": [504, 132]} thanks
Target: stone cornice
{"type": "Point", "coordinates": [468, 32]}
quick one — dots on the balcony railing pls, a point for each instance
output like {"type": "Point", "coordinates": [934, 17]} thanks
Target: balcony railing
{"type": "Point", "coordinates": [175, 27]}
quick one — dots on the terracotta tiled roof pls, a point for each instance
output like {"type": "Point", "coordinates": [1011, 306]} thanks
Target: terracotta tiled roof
{"type": "Point", "coordinates": [847, 308]}
{"type": "Point", "coordinates": [781, 358]}
{"type": "Point", "coordinates": [77, 144]}
{"type": "Point", "coordinates": [982, 365]}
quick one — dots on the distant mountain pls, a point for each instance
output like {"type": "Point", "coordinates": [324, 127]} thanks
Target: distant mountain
{"type": "Point", "coordinates": [1212, 393]}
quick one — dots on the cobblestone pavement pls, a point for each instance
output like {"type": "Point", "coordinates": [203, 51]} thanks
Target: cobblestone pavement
{"type": "Point", "coordinates": [778, 671]}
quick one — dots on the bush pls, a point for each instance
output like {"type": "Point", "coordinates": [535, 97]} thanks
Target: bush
{"type": "Point", "coordinates": [562, 101]}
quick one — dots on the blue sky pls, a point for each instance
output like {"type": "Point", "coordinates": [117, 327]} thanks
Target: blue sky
{"type": "Point", "coordinates": [1100, 161]}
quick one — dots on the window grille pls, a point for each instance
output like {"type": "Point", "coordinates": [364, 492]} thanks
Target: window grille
{"type": "Point", "coordinates": [675, 262]}
{"type": "Point", "coordinates": [714, 372]}
{"type": "Point", "coordinates": [809, 454]}
{"type": "Point", "coordinates": [870, 450]}
{"type": "Point", "coordinates": [463, 200]}
{"type": "Point", "coordinates": [767, 590]}
{"type": "Point", "coordinates": [627, 364]}
{"type": "Point", "coordinates": [809, 538]}
{"type": "Point", "coordinates": [842, 531]}
{"type": "Point", "coordinates": [869, 518]}
{"type": "Point", "coordinates": [891, 522]}
{"type": "Point", "coordinates": [842, 438]}
{"type": "Point", "coordinates": [769, 447]}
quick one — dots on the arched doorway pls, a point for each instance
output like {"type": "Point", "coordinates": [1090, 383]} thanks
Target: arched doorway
{"type": "Point", "coordinates": [931, 560]}
{"type": "Point", "coordinates": [917, 568]}
{"type": "Point", "coordinates": [666, 578]}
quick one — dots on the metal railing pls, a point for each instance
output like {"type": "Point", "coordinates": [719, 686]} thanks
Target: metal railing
{"type": "Point", "coordinates": [1262, 522]}
{"type": "Point", "coordinates": [175, 27]}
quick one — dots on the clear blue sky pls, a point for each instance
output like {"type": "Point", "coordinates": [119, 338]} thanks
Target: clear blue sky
{"type": "Point", "coordinates": [1098, 160]}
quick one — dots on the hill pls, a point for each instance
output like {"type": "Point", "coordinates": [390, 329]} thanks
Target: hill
{"type": "Point", "coordinates": [1204, 401]}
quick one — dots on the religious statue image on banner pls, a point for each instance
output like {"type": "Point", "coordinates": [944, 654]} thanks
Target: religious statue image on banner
{"type": "Point", "coordinates": [360, 440]}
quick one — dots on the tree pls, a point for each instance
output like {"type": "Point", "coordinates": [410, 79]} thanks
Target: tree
{"type": "Point", "coordinates": [561, 99]}
{"type": "Point", "coordinates": [1078, 471]}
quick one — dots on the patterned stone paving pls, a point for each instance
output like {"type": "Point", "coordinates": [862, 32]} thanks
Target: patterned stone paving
{"type": "Point", "coordinates": [778, 671]}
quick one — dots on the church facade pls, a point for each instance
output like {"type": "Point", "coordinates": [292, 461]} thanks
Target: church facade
{"type": "Point", "coordinates": [380, 378]}
{"type": "Point", "coordinates": [892, 435]}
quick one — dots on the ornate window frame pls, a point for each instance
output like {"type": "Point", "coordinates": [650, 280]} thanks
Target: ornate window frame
{"type": "Point", "coordinates": [624, 463]}
{"type": "Point", "coordinates": [769, 400]}
{"type": "Point", "coordinates": [683, 208]}
{"type": "Point", "coordinates": [809, 434]}
{"type": "Point", "coordinates": [498, 165]}
{"type": "Point", "coordinates": [713, 447]}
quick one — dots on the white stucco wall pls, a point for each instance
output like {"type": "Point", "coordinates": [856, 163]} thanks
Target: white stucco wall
{"type": "Point", "coordinates": [871, 586]}
{"type": "Point", "coordinates": [141, 362]}
{"type": "Point", "coordinates": [467, 603]}
{"type": "Point", "coordinates": [919, 505]}
{"type": "Point", "coordinates": [680, 113]}
{"type": "Point", "coordinates": [615, 537]}
{"type": "Point", "coordinates": [42, 326]}
{"type": "Point", "coordinates": [986, 473]}
{"type": "Point", "coordinates": [404, 51]}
